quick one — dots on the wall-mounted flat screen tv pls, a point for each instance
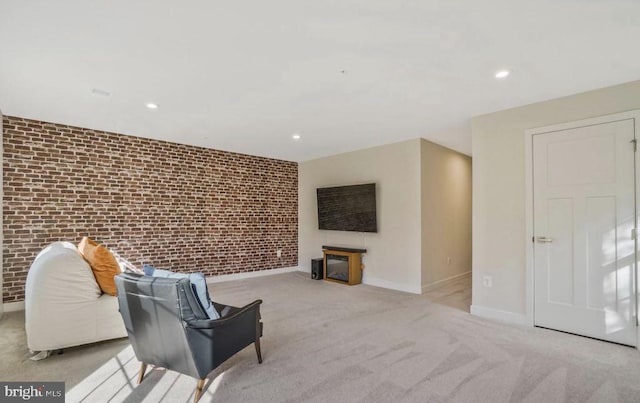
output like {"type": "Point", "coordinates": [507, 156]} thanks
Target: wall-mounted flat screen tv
{"type": "Point", "coordinates": [348, 208]}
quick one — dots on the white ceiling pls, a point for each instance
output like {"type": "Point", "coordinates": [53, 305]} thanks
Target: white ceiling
{"type": "Point", "coordinates": [245, 75]}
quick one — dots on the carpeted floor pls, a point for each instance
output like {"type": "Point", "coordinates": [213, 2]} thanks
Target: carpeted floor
{"type": "Point", "coordinates": [326, 342]}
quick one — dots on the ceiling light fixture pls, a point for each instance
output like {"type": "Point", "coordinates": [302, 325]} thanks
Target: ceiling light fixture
{"type": "Point", "coordinates": [101, 92]}
{"type": "Point", "coordinates": [296, 136]}
{"type": "Point", "coordinates": [151, 105]}
{"type": "Point", "coordinates": [502, 74]}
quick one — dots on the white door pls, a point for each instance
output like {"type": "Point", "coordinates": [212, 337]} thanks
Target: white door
{"type": "Point", "coordinates": [584, 211]}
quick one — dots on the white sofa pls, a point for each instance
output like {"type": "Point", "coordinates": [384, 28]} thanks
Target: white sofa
{"type": "Point", "coordinates": [64, 306]}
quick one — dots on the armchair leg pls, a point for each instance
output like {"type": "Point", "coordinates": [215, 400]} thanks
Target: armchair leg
{"type": "Point", "coordinates": [143, 368]}
{"type": "Point", "coordinates": [258, 335]}
{"type": "Point", "coordinates": [257, 344]}
{"type": "Point", "coordinates": [199, 389]}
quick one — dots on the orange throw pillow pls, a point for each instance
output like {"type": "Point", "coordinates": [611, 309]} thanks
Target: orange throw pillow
{"type": "Point", "coordinates": [103, 264]}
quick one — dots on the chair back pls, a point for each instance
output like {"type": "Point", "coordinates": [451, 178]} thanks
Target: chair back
{"type": "Point", "coordinates": [154, 311]}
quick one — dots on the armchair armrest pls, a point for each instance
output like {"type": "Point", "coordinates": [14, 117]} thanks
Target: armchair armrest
{"type": "Point", "coordinates": [225, 320]}
{"type": "Point", "coordinates": [215, 340]}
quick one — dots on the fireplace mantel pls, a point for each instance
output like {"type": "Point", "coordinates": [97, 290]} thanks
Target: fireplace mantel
{"type": "Point", "coordinates": [342, 249]}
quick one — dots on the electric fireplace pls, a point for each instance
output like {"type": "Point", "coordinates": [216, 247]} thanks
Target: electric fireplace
{"type": "Point", "coordinates": [337, 267]}
{"type": "Point", "coordinates": [343, 265]}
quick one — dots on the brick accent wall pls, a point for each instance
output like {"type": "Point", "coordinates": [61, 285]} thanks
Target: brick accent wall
{"type": "Point", "coordinates": [171, 205]}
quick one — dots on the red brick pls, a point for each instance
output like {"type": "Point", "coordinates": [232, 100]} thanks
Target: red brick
{"type": "Point", "coordinates": [174, 206]}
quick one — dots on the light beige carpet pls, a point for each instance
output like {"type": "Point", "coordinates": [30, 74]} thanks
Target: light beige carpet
{"type": "Point", "coordinates": [326, 342]}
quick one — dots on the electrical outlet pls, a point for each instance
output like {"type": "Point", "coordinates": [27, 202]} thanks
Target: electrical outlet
{"type": "Point", "coordinates": [487, 281]}
{"type": "Point", "coordinates": [279, 253]}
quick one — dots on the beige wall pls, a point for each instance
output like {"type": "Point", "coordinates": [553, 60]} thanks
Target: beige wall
{"type": "Point", "coordinates": [1, 217]}
{"type": "Point", "coordinates": [446, 213]}
{"type": "Point", "coordinates": [499, 189]}
{"type": "Point", "coordinates": [393, 254]}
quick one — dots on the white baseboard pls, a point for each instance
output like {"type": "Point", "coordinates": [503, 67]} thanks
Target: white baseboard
{"type": "Point", "coordinates": [13, 306]}
{"type": "Point", "coordinates": [376, 282]}
{"type": "Point", "coordinates": [497, 314]}
{"type": "Point", "coordinates": [239, 276]}
{"type": "Point", "coordinates": [439, 283]}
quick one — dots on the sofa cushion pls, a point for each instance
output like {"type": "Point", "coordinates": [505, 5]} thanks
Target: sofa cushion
{"type": "Point", "coordinates": [103, 264]}
{"type": "Point", "coordinates": [198, 283]}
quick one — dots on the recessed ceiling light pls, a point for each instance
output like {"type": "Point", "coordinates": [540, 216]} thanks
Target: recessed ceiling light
{"type": "Point", "coordinates": [151, 105]}
{"type": "Point", "coordinates": [502, 73]}
{"type": "Point", "coordinates": [101, 92]}
{"type": "Point", "coordinates": [296, 136]}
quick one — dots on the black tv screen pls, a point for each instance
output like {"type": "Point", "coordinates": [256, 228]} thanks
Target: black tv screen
{"type": "Point", "coordinates": [348, 208]}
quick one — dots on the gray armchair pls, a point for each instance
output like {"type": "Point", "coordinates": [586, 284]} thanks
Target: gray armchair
{"type": "Point", "coordinates": [168, 328]}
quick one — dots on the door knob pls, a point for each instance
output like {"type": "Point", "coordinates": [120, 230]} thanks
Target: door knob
{"type": "Point", "coordinates": [543, 239]}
